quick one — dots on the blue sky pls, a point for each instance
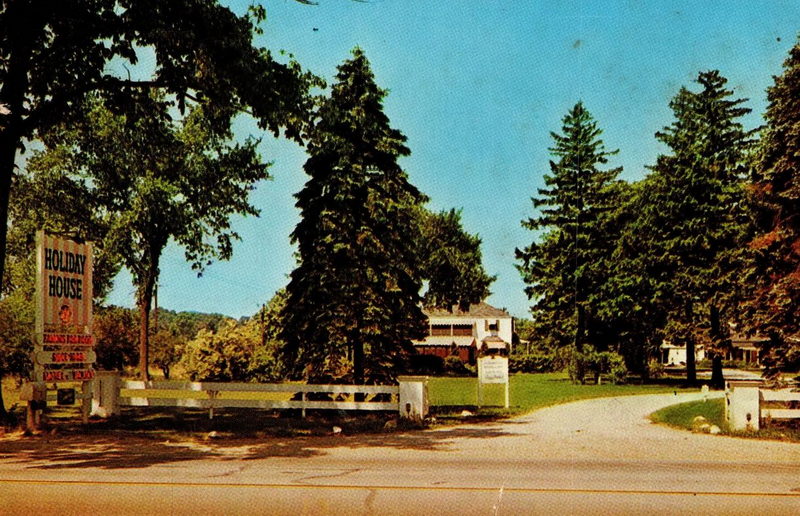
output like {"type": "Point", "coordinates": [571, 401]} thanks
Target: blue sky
{"type": "Point", "coordinates": [477, 86]}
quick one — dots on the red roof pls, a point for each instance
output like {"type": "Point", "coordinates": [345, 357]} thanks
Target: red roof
{"type": "Point", "coordinates": [482, 310]}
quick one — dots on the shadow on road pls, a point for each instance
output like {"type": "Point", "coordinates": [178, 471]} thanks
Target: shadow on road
{"type": "Point", "coordinates": [158, 440]}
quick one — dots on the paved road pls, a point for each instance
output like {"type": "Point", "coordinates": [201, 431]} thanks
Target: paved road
{"type": "Point", "coordinates": [590, 457]}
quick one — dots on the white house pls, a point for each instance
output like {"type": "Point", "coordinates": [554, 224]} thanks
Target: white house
{"type": "Point", "coordinates": [676, 355]}
{"type": "Point", "coordinates": [465, 333]}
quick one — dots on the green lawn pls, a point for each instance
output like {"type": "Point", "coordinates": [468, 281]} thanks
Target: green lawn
{"type": "Point", "coordinates": [682, 415]}
{"type": "Point", "coordinates": [527, 392]}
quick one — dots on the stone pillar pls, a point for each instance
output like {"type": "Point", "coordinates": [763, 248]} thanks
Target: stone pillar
{"type": "Point", "coordinates": [105, 393]}
{"type": "Point", "coordinates": [743, 405]}
{"type": "Point", "coordinates": [413, 397]}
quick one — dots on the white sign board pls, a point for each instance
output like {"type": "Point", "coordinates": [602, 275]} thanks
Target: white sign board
{"type": "Point", "coordinates": [493, 369]}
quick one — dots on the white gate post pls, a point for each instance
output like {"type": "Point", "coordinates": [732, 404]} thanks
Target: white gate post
{"type": "Point", "coordinates": [743, 405]}
{"type": "Point", "coordinates": [413, 397]}
{"type": "Point", "coordinates": [105, 393]}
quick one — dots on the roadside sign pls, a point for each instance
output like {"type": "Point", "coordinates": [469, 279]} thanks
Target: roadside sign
{"type": "Point", "coordinates": [65, 357]}
{"type": "Point", "coordinates": [492, 369]}
{"type": "Point", "coordinates": [63, 335]}
{"type": "Point", "coordinates": [64, 375]}
{"type": "Point", "coordinates": [64, 286]}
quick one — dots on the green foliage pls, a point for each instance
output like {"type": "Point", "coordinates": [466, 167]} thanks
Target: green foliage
{"type": "Point", "coordinates": [232, 352]}
{"type": "Point", "coordinates": [16, 344]}
{"type": "Point", "coordinates": [116, 335]}
{"type": "Point", "coordinates": [354, 294]}
{"type": "Point", "coordinates": [152, 180]}
{"type": "Point", "coordinates": [451, 262]}
{"type": "Point", "coordinates": [685, 243]}
{"type": "Point", "coordinates": [597, 363]}
{"type": "Point", "coordinates": [533, 363]}
{"type": "Point", "coordinates": [566, 265]}
{"type": "Point", "coordinates": [774, 307]}
{"type": "Point", "coordinates": [54, 54]}
{"type": "Point", "coordinates": [655, 369]}
{"type": "Point", "coordinates": [454, 365]}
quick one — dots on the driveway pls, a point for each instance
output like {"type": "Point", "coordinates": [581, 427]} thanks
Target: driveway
{"type": "Point", "coordinates": [598, 456]}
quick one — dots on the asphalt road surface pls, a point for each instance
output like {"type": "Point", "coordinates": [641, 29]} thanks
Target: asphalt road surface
{"type": "Point", "coordinates": [590, 457]}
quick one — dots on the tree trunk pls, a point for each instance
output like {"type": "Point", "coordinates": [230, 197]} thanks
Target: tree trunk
{"type": "Point", "coordinates": [3, 412]}
{"type": "Point", "coordinates": [689, 339]}
{"type": "Point", "coordinates": [691, 366]}
{"type": "Point", "coordinates": [144, 339]}
{"type": "Point", "coordinates": [717, 377]}
{"type": "Point", "coordinates": [144, 303]}
{"type": "Point", "coordinates": [358, 362]}
{"type": "Point", "coordinates": [579, 327]}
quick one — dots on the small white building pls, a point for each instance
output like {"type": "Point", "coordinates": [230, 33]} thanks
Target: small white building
{"type": "Point", "coordinates": [464, 333]}
{"type": "Point", "coordinates": [673, 355]}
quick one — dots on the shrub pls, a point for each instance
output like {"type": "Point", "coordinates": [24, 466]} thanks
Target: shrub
{"type": "Point", "coordinates": [532, 363]}
{"type": "Point", "coordinates": [655, 369]}
{"type": "Point", "coordinates": [454, 365]}
{"type": "Point", "coordinates": [425, 364]}
{"type": "Point", "coordinates": [615, 363]}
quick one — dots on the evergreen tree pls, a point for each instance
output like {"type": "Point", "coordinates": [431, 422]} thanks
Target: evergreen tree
{"type": "Point", "coordinates": [692, 223]}
{"type": "Point", "coordinates": [354, 294]}
{"type": "Point", "coordinates": [564, 266]}
{"type": "Point", "coordinates": [774, 309]}
{"type": "Point", "coordinates": [451, 262]}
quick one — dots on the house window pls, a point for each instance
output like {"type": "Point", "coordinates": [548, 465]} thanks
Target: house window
{"type": "Point", "coordinates": [464, 330]}
{"type": "Point", "coordinates": [440, 329]}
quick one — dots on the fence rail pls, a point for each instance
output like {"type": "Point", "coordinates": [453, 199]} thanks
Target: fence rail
{"type": "Point", "coordinates": [409, 398]}
{"type": "Point", "coordinates": [748, 402]}
{"type": "Point", "coordinates": [142, 395]}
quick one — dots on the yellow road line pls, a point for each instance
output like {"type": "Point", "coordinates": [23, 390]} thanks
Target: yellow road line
{"type": "Point", "coordinates": [531, 490]}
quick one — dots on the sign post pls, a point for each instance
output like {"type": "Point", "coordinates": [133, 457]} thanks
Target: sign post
{"type": "Point", "coordinates": [492, 369]}
{"type": "Point", "coordinates": [63, 341]}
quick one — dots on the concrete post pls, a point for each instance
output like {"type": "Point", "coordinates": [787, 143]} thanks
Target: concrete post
{"type": "Point", "coordinates": [743, 405]}
{"type": "Point", "coordinates": [105, 393]}
{"type": "Point", "coordinates": [36, 396]}
{"type": "Point", "coordinates": [413, 397]}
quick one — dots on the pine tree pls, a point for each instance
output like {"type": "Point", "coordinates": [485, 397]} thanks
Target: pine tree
{"type": "Point", "coordinates": [774, 277]}
{"type": "Point", "coordinates": [354, 294]}
{"type": "Point", "coordinates": [563, 268]}
{"type": "Point", "coordinates": [451, 262]}
{"type": "Point", "coordinates": [692, 224]}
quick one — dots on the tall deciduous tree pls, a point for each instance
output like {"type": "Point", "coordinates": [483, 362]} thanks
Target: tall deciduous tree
{"type": "Point", "coordinates": [774, 309]}
{"type": "Point", "coordinates": [152, 181]}
{"type": "Point", "coordinates": [564, 266]}
{"type": "Point", "coordinates": [355, 291]}
{"type": "Point", "coordinates": [451, 262]}
{"type": "Point", "coordinates": [693, 220]}
{"type": "Point", "coordinates": [54, 52]}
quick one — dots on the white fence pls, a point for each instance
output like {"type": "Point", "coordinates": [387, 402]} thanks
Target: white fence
{"type": "Point", "coordinates": [748, 403]}
{"type": "Point", "coordinates": [409, 398]}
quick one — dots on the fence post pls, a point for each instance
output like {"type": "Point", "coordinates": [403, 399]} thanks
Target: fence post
{"type": "Point", "coordinates": [105, 393]}
{"type": "Point", "coordinates": [413, 402]}
{"type": "Point", "coordinates": [743, 401]}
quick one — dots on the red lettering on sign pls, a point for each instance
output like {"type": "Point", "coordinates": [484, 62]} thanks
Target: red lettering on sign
{"type": "Point", "coordinates": [86, 374]}
{"type": "Point", "coordinates": [60, 338]}
{"type": "Point", "coordinates": [54, 376]}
